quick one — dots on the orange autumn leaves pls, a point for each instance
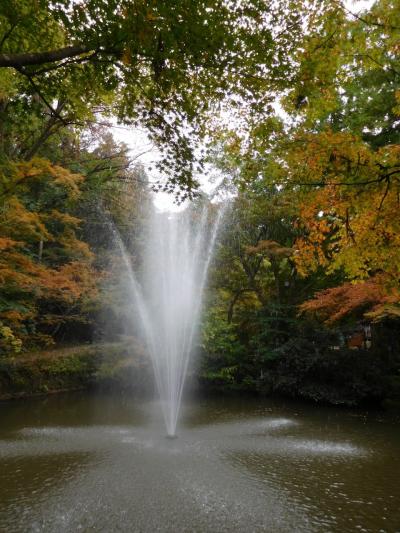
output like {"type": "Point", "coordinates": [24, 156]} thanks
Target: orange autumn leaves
{"type": "Point", "coordinates": [349, 210]}
{"type": "Point", "coordinates": [351, 299]}
{"type": "Point", "coordinates": [41, 257]}
{"type": "Point", "coordinates": [349, 220]}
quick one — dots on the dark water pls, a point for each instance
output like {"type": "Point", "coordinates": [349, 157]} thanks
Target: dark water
{"type": "Point", "coordinates": [101, 463]}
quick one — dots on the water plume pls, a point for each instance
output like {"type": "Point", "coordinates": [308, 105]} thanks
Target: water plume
{"type": "Point", "coordinates": [179, 249]}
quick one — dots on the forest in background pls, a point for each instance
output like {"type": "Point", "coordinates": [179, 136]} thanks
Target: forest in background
{"type": "Point", "coordinates": [296, 106]}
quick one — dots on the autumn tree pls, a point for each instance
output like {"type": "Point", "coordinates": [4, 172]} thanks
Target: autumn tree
{"type": "Point", "coordinates": [335, 154]}
{"type": "Point", "coordinates": [45, 270]}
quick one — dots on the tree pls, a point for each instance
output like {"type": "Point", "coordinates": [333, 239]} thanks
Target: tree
{"type": "Point", "coordinates": [336, 156]}
{"type": "Point", "coordinates": [162, 64]}
{"type": "Point", "coordinates": [55, 235]}
{"type": "Point", "coordinates": [46, 272]}
{"type": "Point", "coordinates": [348, 205]}
{"type": "Point", "coordinates": [348, 73]}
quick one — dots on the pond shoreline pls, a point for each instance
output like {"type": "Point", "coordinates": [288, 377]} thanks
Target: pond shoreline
{"type": "Point", "coordinates": [121, 366]}
{"type": "Point", "coordinates": [74, 368]}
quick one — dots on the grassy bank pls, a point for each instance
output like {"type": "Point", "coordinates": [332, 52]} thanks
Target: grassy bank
{"type": "Point", "coordinates": [74, 368]}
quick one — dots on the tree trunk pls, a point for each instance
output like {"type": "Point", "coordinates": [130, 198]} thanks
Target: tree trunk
{"type": "Point", "coordinates": [40, 254]}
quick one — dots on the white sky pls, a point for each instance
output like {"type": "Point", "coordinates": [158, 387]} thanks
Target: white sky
{"type": "Point", "coordinates": [138, 142]}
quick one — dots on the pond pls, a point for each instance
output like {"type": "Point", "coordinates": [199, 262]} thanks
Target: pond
{"type": "Point", "coordinates": [101, 462]}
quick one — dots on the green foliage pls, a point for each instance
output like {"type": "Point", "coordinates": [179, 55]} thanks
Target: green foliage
{"type": "Point", "coordinates": [74, 368]}
{"type": "Point", "coordinates": [9, 343]}
{"type": "Point", "coordinates": [165, 65]}
{"type": "Point", "coordinates": [274, 327]}
{"type": "Point", "coordinates": [223, 351]}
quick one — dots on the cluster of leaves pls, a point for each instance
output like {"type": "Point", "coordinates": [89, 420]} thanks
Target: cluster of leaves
{"type": "Point", "coordinates": [42, 259]}
{"type": "Point", "coordinates": [54, 233]}
{"type": "Point", "coordinates": [312, 248]}
{"type": "Point", "coordinates": [334, 160]}
{"type": "Point", "coordinates": [349, 211]}
{"type": "Point", "coordinates": [165, 65]}
{"type": "Point", "coordinates": [350, 300]}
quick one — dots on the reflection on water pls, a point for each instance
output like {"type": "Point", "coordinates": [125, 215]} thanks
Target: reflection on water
{"type": "Point", "coordinates": [101, 463]}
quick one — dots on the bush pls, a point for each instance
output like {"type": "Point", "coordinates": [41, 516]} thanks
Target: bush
{"type": "Point", "coordinates": [9, 343]}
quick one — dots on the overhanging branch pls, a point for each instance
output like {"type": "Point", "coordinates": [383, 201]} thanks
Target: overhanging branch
{"type": "Point", "coordinates": [39, 58]}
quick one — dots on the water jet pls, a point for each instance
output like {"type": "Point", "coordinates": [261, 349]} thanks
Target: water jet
{"type": "Point", "coordinates": [178, 251]}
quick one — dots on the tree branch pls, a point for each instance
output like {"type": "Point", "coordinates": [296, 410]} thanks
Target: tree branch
{"type": "Point", "coordinates": [8, 33]}
{"type": "Point", "coordinates": [53, 111]}
{"type": "Point", "coordinates": [51, 127]}
{"type": "Point", "coordinates": [384, 195]}
{"type": "Point", "coordinates": [369, 22]}
{"type": "Point", "coordinates": [39, 58]}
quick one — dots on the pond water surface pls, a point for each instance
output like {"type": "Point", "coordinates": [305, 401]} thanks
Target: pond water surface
{"type": "Point", "coordinates": [85, 462]}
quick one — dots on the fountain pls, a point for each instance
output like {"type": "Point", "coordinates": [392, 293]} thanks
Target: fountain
{"type": "Point", "coordinates": [179, 249]}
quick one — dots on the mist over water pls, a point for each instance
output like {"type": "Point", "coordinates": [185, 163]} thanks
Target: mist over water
{"type": "Point", "coordinates": [168, 297]}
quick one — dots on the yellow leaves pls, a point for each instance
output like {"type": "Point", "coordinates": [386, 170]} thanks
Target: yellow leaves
{"type": "Point", "coordinates": [126, 56]}
{"type": "Point", "coordinates": [389, 155]}
{"type": "Point", "coordinates": [71, 282]}
{"type": "Point", "coordinates": [24, 173]}
{"type": "Point", "coordinates": [76, 249]}
{"type": "Point", "coordinates": [359, 234]}
{"type": "Point", "coordinates": [65, 218]}
{"type": "Point", "coordinates": [308, 256]}
{"type": "Point", "coordinates": [13, 316]}
{"type": "Point", "coordinates": [32, 223]}
{"type": "Point", "coordinates": [20, 223]}
{"type": "Point", "coordinates": [9, 342]}
{"type": "Point", "coordinates": [67, 179]}
{"type": "Point", "coordinates": [350, 216]}
{"type": "Point", "coordinates": [17, 270]}
{"type": "Point", "coordinates": [384, 311]}
{"type": "Point", "coordinates": [324, 157]}
{"type": "Point", "coordinates": [375, 235]}
{"type": "Point", "coordinates": [29, 169]}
